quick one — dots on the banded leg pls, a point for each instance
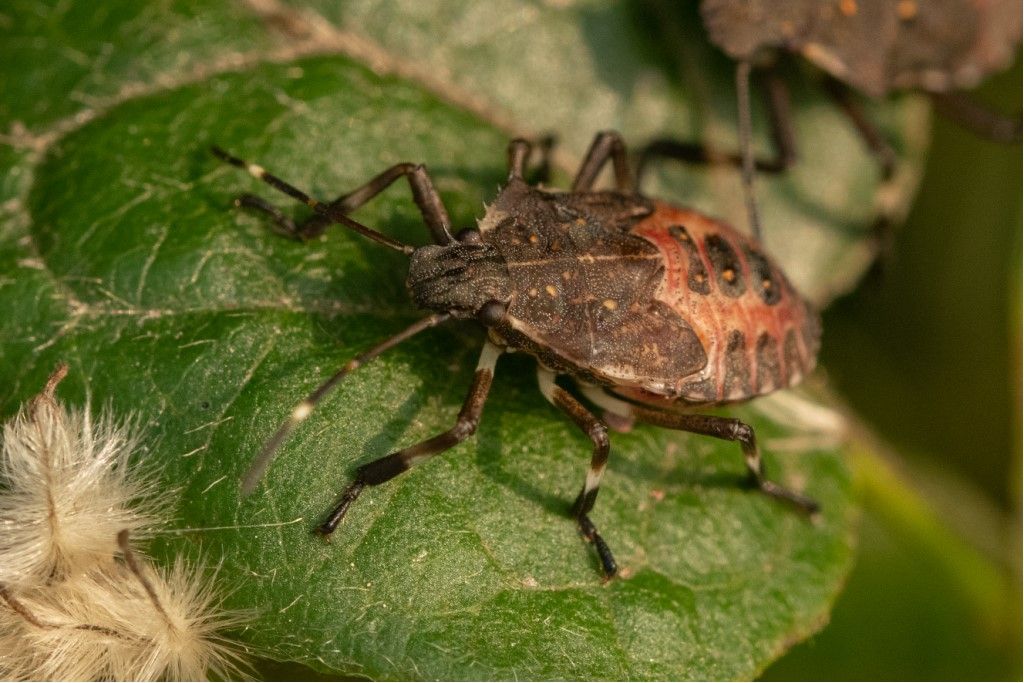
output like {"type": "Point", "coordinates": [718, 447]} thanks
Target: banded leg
{"type": "Point", "coordinates": [598, 434]}
{"type": "Point", "coordinates": [606, 145]}
{"type": "Point", "coordinates": [305, 408]}
{"type": "Point", "coordinates": [783, 140]}
{"type": "Point", "coordinates": [710, 425]}
{"type": "Point", "coordinates": [617, 413]}
{"type": "Point", "coordinates": [390, 466]}
{"type": "Point", "coordinates": [729, 429]}
{"type": "Point", "coordinates": [519, 151]}
{"type": "Point", "coordinates": [423, 192]}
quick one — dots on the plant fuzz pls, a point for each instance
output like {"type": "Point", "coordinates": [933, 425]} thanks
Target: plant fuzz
{"type": "Point", "coordinates": [77, 601]}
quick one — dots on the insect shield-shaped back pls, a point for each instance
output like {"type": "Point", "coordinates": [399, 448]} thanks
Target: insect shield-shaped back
{"type": "Point", "coordinates": [458, 278]}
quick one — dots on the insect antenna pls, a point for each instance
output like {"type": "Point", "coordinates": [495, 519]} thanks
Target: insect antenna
{"type": "Point", "coordinates": [260, 173]}
{"type": "Point", "coordinates": [305, 407]}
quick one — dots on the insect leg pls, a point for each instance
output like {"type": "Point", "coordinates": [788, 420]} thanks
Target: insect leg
{"type": "Point", "coordinates": [598, 433]}
{"type": "Point", "coordinates": [424, 194]}
{"type": "Point", "coordinates": [783, 138]}
{"type": "Point", "coordinates": [285, 225]}
{"type": "Point", "coordinates": [780, 116]}
{"type": "Point", "coordinates": [617, 413]}
{"type": "Point", "coordinates": [518, 154]}
{"type": "Point", "coordinates": [305, 407]}
{"type": "Point", "coordinates": [883, 228]}
{"type": "Point", "coordinates": [729, 429]}
{"type": "Point", "coordinates": [977, 118]}
{"type": "Point", "coordinates": [606, 145]}
{"type": "Point", "coordinates": [746, 145]}
{"type": "Point", "coordinates": [519, 151]}
{"type": "Point", "coordinates": [546, 144]}
{"type": "Point", "coordinates": [390, 466]}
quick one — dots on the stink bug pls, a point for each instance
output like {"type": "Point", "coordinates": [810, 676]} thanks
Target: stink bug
{"type": "Point", "coordinates": [876, 47]}
{"type": "Point", "coordinates": [654, 310]}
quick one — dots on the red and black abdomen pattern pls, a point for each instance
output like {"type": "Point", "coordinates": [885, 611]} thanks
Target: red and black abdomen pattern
{"type": "Point", "coordinates": [758, 332]}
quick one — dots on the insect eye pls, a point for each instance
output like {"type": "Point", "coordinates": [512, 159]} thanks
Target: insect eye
{"type": "Point", "coordinates": [469, 236]}
{"type": "Point", "coordinates": [491, 313]}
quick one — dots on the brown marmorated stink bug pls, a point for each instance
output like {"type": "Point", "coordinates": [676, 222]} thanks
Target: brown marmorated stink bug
{"type": "Point", "coordinates": [655, 310]}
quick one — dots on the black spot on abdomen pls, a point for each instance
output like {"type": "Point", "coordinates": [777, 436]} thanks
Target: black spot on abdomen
{"type": "Point", "coordinates": [763, 276]}
{"type": "Point", "coordinates": [696, 274]}
{"type": "Point", "coordinates": [769, 370]}
{"type": "Point", "coordinates": [737, 369]}
{"type": "Point", "coordinates": [726, 263]}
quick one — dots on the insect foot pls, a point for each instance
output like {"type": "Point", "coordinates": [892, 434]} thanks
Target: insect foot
{"type": "Point", "coordinates": [654, 310]}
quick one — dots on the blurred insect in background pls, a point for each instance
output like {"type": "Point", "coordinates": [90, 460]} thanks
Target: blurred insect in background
{"type": "Point", "coordinates": [876, 47]}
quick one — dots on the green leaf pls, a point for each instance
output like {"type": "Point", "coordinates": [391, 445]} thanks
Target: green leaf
{"type": "Point", "coordinates": [890, 609]}
{"type": "Point", "coordinates": [120, 253]}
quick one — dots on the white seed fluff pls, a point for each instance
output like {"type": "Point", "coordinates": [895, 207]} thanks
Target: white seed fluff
{"type": "Point", "coordinates": [67, 490]}
{"type": "Point", "coordinates": [104, 625]}
{"type": "Point", "coordinates": [77, 601]}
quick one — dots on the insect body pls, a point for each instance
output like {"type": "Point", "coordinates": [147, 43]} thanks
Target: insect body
{"type": "Point", "coordinates": [876, 45]}
{"type": "Point", "coordinates": [654, 311]}
{"type": "Point", "coordinates": [873, 46]}
{"type": "Point", "coordinates": [655, 301]}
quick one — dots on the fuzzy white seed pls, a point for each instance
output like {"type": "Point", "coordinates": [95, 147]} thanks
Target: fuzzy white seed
{"type": "Point", "coordinates": [68, 490]}
{"type": "Point", "coordinates": [77, 602]}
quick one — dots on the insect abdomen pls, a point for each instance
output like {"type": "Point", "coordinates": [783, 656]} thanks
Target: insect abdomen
{"type": "Point", "coordinates": [758, 333]}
